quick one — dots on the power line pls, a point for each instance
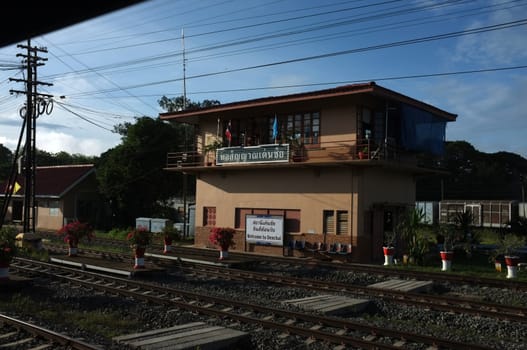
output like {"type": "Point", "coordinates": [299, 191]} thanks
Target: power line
{"type": "Point", "coordinates": [355, 81]}
{"type": "Point", "coordinates": [86, 119]}
{"type": "Point", "coordinates": [333, 54]}
{"type": "Point", "coordinates": [325, 37]}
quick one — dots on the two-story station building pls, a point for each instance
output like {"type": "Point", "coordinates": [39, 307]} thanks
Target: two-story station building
{"type": "Point", "coordinates": [335, 165]}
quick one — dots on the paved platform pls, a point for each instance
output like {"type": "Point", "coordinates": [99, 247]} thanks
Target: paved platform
{"type": "Point", "coordinates": [196, 335]}
{"type": "Point", "coordinates": [125, 268]}
{"type": "Point", "coordinates": [330, 304]}
{"type": "Point", "coordinates": [413, 286]}
{"type": "Point", "coordinates": [228, 262]}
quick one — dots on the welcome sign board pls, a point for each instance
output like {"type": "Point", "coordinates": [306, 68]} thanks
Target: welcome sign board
{"type": "Point", "coordinates": [264, 229]}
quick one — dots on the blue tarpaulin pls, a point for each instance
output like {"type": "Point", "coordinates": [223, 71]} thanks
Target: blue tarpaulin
{"type": "Point", "coordinates": [422, 131]}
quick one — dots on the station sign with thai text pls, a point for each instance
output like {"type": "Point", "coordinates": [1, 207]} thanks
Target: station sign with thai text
{"type": "Point", "coordinates": [264, 229]}
{"type": "Point", "coordinates": [253, 154]}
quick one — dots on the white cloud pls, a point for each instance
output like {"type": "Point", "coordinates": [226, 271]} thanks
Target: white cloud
{"type": "Point", "coordinates": [54, 142]}
{"type": "Point", "coordinates": [504, 46]}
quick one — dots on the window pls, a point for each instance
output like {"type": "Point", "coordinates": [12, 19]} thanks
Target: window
{"type": "Point", "coordinates": [342, 222]}
{"type": "Point", "coordinates": [291, 217]}
{"type": "Point", "coordinates": [335, 222]}
{"type": "Point", "coordinates": [329, 221]}
{"type": "Point", "coordinates": [54, 208]}
{"type": "Point", "coordinates": [209, 216]}
{"type": "Point", "coordinates": [304, 127]}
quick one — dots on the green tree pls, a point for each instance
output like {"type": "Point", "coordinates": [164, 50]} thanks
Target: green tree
{"type": "Point", "coordinates": [131, 175]}
{"type": "Point", "coordinates": [180, 103]}
{"type": "Point", "coordinates": [6, 161]}
{"type": "Point", "coordinates": [473, 175]}
{"type": "Point", "coordinates": [44, 158]}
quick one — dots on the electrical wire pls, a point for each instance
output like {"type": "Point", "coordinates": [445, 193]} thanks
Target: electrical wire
{"type": "Point", "coordinates": [414, 41]}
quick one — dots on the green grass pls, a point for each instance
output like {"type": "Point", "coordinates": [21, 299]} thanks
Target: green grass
{"type": "Point", "coordinates": [478, 265]}
{"type": "Point", "coordinates": [107, 324]}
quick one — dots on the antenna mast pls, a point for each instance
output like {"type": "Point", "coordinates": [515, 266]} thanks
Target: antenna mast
{"type": "Point", "coordinates": [184, 71]}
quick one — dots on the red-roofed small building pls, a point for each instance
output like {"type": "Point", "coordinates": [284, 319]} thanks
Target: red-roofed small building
{"type": "Point", "coordinates": [62, 193]}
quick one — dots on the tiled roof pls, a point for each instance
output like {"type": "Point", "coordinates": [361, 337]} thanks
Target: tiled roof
{"type": "Point", "coordinates": [55, 181]}
{"type": "Point", "coordinates": [352, 89]}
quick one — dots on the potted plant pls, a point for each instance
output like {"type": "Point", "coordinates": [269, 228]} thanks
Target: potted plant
{"type": "Point", "coordinates": [507, 247]}
{"type": "Point", "coordinates": [390, 238]}
{"type": "Point", "coordinates": [448, 235]}
{"type": "Point", "coordinates": [8, 250]}
{"type": "Point", "coordinates": [73, 233]}
{"type": "Point", "coordinates": [296, 149]}
{"type": "Point", "coordinates": [415, 238]}
{"type": "Point", "coordinates": [209, 151]}
{"type": "Point", "coordinates": [139, 239]}
{"type": "Point", "coordinates": [170, 234]}
{"type": "Point", "coordinates": [363, 153]}
{"type": "Point", "coordinates": [224, 238]}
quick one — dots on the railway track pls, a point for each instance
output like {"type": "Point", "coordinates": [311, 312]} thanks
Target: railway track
{"type": "Point", "coordinates": [443, 303]}
{"type": "Point", "coordinates": [434, 302]}
{"type": "Point", "coordinates": [333, 330]}
{"type": "Point", "coordinates": [200, 253]}
{"type": "Point", "coordinates": [20, 335]}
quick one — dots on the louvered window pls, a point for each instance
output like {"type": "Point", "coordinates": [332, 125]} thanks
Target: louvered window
{"type": "Point", "coordinates": [329, 221]}
{"type": "Point", "coordinates": [342, 222]}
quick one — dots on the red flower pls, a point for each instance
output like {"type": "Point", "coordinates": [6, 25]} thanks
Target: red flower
{"type": "Point", "coordinates": [139, 237]}
{"type": "Point", "coordinates": [76, 230]}
{"type": "Point", "coordinates": [222, 236]}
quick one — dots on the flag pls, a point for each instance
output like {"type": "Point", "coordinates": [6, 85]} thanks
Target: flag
{"type": "Point", "coordinates": [13, 188]}
{"type": "Point", "coordinates": [17, 187]}
{"type": "Point", "coordinates": [228, 133]}
{"type": "Point", "coordinates": [275, 128]}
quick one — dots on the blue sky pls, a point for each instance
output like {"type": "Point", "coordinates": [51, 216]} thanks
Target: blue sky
{"type": "Point", "coordinates": [116, 67]}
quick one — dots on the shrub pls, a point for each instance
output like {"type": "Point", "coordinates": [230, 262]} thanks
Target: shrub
{"type": "Point", "coordinates": [222, 236]}
{"type": "Point", "coordinates": [139, 237]}
{"type": "Point", "coordinates": [75, 231]}
{"type": "Point", "coordinates": [8, 247]}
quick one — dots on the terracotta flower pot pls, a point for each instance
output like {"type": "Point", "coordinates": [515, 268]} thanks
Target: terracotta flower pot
{"type": "Point", "coordinates": [139, 254]}
{"type": "Point", "coordinates": [73, 243]}
{"type": "Point", "coordinates": [446, 260]}
{"type": "Point", "coordinates": [167, 245]}
{"type": "Point", "coordinates": [389, 252]}
{"type": "Point", "coordinates": [224, 253]}
{"type": "Point", "coordinates": [512, 265]}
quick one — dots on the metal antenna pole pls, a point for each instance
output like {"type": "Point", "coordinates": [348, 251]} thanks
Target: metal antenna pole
{"type": "Point", "coordinates": [184, 71]}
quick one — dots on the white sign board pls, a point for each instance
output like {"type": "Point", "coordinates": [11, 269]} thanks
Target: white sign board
{"type": "Point", "coordinates": [264, 229]}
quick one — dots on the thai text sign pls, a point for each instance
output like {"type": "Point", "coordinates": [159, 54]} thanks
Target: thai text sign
{"type": "Point", "coordinates": [252, 154]}
{"type": "Point", "coordinates": [264, 229]}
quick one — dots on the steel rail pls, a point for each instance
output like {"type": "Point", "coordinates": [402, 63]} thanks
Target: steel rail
{"type": "Point", "coordinates": [442, 303]}
{"type": "Point", "coordinates": [50, 335]}
{"type": "Point", "coordinates": [197, 302]}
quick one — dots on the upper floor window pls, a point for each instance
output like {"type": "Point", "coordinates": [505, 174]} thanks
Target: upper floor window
{"type": "Point", "coordinates": [305, 127]}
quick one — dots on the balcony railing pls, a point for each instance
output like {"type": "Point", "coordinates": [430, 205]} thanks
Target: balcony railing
{"type": "Point", "coordinates": [338, 151]}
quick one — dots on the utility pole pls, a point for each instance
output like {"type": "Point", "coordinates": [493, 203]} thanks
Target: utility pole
{"type": "Point", "coordinates": [184, 108]}
{"type": "Point", "coordinates": [36, 104]}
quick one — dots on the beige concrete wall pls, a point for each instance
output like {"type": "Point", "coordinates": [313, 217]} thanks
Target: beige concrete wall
{"type": "Point", "coordinates": [338, 125]}
{"type": "Point", "coordinates": [310, 191]}
{"type": "Point", "coordinates": [44, 218]}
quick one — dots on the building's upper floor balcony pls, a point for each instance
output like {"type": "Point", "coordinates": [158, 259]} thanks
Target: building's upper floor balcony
{"type": "Point", "coordinates": [346, 151]}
